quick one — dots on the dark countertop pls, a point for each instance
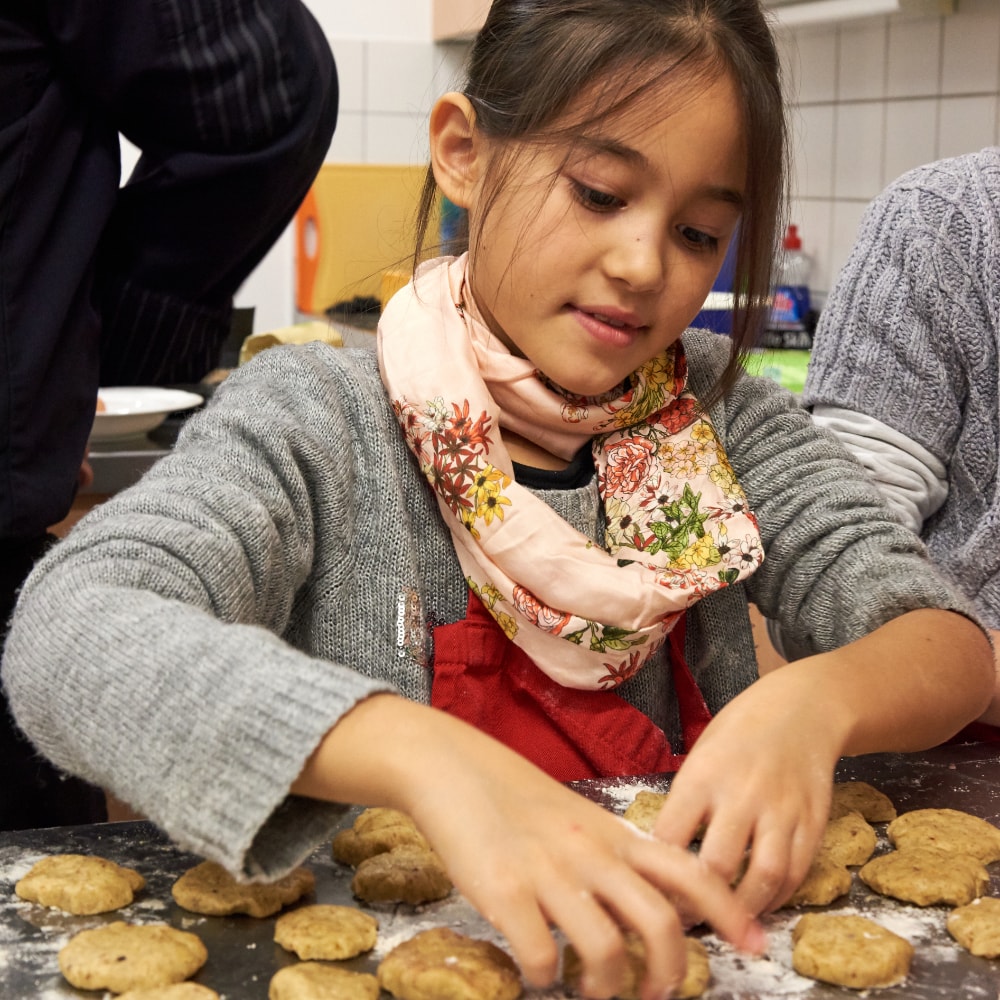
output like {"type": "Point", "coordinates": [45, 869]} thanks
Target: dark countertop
{"type": "Point", "coordinates": [243, 955]}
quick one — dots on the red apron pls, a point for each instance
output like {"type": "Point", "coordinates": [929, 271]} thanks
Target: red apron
{"type": "Point", "coordinates": [484, 678]}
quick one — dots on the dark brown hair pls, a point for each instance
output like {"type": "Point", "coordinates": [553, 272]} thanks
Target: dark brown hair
{"type": "Point", "coordinates": [533, 58]}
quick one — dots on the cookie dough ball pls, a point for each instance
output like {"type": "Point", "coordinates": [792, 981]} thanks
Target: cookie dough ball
{"type": "Point", "coordinates": [326, 932]}
{"type": "Point", "coordinates": [642, 811]}
{"type": "Point", "coordinates": [696, 979]}
{"type": "Point", "coordinates": [849, 839]}
{"type": "Point", "coordinates": [926, 876]}
{"type": "Point", "coordinates": [825, 881]}
{"type": "Point", "coordinates": [176, 991]}
{"type": "Point", "coordinates": [849, 951]}
{"type": "Point", "coordinates": [121, 957]}
{"type": "Point", "coordinates": [208, 888]}
{"type": "Point", "coordinates": [976, 927]}
{"type": "Point", "coordinates": [441, 964]}
{"type": "Point", "coordinates": [376, 831]}
{"type": "Point", "coordinates": [315, 981]}
{"type": "Point", "coordinates": [403, 875]}
{"type": "Point", "coordinates": [950, 829]}
{"type": "Point", "coordinates": [859, 796]}
{"type": "Point", "coordinates": [80, 884]}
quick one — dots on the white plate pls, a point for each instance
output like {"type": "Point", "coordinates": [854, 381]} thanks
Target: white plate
{"type": "Point", "coordinates": [134, 410]}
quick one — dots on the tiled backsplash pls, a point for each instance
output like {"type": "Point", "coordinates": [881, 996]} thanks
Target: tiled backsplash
{"type": "Point", "coordinates": [874, 98]}
{"type": "Point", "coordinates": [871, 98]}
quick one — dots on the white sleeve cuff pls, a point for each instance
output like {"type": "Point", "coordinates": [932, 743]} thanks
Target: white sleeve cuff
{"type": "Point", "coordinates": [912, 480]}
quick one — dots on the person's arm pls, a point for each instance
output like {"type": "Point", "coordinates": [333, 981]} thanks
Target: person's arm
{"type": "Point", "coordinates": [233, 107]}
{"type": "Point", "coordinates": [908, 685]}
{"type": "Point", "coordinates": [528, 852]}
{"type": "Point", "coordinates": [889, 654]}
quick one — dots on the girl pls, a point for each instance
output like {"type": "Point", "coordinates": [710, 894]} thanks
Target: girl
{"type": "Point", "coordinates": [543, 510]}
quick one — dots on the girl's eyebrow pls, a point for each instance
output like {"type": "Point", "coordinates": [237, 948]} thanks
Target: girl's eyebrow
{"type": "Point", "coordinates": [603, 146]}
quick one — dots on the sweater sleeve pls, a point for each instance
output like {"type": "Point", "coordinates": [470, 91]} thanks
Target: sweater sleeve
{"type": "Point", "coordinates": [146, 653]}
{"type": "Point", "coordinates": [838, 564]}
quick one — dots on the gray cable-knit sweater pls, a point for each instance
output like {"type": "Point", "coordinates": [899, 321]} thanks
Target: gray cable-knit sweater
{"type": "Point", "coordinates": [191, 641]}
{"type": "Point", "coordinates": [909, 337]}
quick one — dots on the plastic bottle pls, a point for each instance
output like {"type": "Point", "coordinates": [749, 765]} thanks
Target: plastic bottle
{"type": "Point", "coordinates": [789, 323]}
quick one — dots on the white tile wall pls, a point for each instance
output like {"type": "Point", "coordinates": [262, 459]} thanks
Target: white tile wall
{"type": "Point", "coordinates": [873, 98]}
{"type": "Point", "coordinates": [387, 89]}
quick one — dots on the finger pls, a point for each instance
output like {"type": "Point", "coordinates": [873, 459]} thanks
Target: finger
{"type": "Point", "coordinates": [679, 820]}
{"type": "Point", "coordinates": [724, 844]}
{"type": "Point", "coordinates": [777, 866]}
{"type": "Point", "coordinates": [515, 912]}
{"type": "Point", "coordinates": [694, 887]}
{"type": "Point", "coordinates": [596, 938]}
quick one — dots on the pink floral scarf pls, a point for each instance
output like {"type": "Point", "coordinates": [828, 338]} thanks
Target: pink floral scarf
{"type": "Point", "coordinates": [678, 525]}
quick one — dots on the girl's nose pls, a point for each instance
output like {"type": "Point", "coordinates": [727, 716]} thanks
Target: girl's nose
{"type": "Point", "coordinates": [638, 260]}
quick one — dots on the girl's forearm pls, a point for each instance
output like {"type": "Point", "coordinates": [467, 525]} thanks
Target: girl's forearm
{"type": "Point", "coordinates": [910, 684]}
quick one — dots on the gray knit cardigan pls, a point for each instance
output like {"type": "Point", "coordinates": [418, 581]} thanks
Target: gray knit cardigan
{"type": "Point", "coordinates": [910, 335]}
{"type": "Point", "coordinates": [192, 640]}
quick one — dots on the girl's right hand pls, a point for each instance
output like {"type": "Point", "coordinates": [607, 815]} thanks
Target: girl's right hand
{"type": "Point", "coordinates": [529, 853]}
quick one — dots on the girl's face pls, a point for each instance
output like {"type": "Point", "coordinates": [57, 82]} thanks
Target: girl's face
{"type": "Point", "coordinates": [589, 264]}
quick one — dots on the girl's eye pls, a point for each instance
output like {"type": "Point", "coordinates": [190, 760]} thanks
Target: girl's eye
{"type": "Point", "coordinates": [596, 201]}
{"type": "Point", "coordinates": [699, 240]}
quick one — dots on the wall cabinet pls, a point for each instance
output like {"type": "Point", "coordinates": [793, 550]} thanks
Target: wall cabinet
{"type": "Point", "coordinates": [458, 20]}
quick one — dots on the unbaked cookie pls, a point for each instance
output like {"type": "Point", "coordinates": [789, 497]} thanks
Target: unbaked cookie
{"type": "Point", "coordinates": [859, 796]}
{"type": "Point", "coordinates": [375, 831]}
{"type": "Point", "coordinates": [325, 931]}
{"type": "Point", "coordinates": [950, 829]}
{"type": "Point", "coordinates": [316, 981]}
{"type": "Point", "coordinates": [696, 979]}
{"type": "Point", "coordinates": [642, 811]}
{"type": "Point", "coordinates": [825, 881]}
{"type": "Point", "coordinates": [175, 991]}
{"type": "Point", "coordinates": [849, 839]}
{"type": "Point", "coordinates": [403, 875]}
{"type": "Point", "coordinates": [441, 964]}
{"type": "Point", "coordinates": [850, 951]}
{"type": "Point", "coordinates": [976, 926]}
{"type": "Point", "coordinates": [208, 888]}
{"type": "Point", "coordinates": [80, 884]}
{"type": "Point", "coordinates": [120, 957]}
{"type": "Point", "coordinates": [926, 876]}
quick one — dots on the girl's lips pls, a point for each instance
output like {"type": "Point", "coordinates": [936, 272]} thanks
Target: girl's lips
{"type": "Point", "coordinates": [610, 327]}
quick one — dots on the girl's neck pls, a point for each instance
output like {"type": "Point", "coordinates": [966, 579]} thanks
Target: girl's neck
{"type": "Point", "coordinates": [525, 452]}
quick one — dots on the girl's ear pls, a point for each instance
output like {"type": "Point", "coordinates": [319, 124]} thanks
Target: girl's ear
{"type": "Point", "coordinates": [456, 153]}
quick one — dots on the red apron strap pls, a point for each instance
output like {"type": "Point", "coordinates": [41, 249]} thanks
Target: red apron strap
{"type": "Point", "coordinates": [482, 677]}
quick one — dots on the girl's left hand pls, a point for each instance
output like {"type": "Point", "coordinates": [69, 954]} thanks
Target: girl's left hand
{"type": "Point", "coordinates": [759, 779]}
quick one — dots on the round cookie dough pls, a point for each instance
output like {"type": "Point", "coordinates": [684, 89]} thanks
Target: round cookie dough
{"type": "Point", "coordinates": [696, 979]}
{"type": "Point", "coordinates": [79, 883]}
{"type": "Point", "coordinates": [403, 875]}
{"type": "Point", "coordinates": [327, 932]}
{"type": "Point", "coordinates": [825, 881]}
{"type": "Point", "coordinates": [849, 839]}
{"type": "Point", "coordinates": [950, 829]}
{"type": "Point", "coordinates": [175, 991]}
{"type": "Point", "coordinates": [315, 981]}
{"type": "Point", "coordinates": [850, 951]}
{"type": "Point", "coordinates": [642, 811]}
{"type": "Point", "coordinates": [859, 796]}
{"type": "Point", "coordinates": [375, 831]}
{"type": "Point", "coordinates": [976, 926]}
{"type": "Point", "coordinates": [926, 876]}
{"type": "Point", "coordinates": [441, 964]}
{"type": "Point", "coordinates": [120, 957]}
{"type": "Point", "coordinates": [208, 888]}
